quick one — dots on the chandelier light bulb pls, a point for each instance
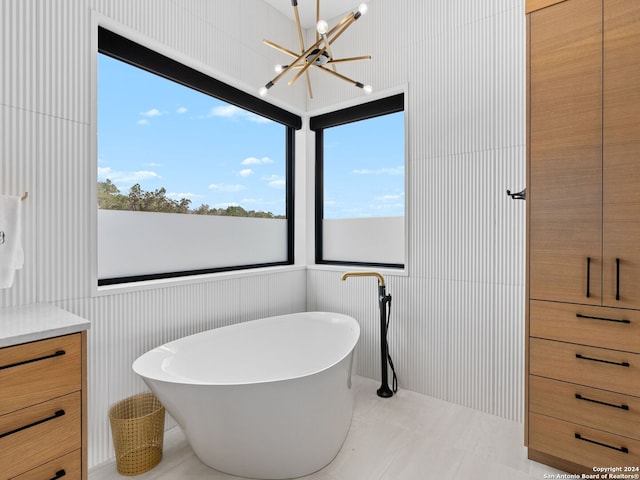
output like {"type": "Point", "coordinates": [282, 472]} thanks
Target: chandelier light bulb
{"type": "Point", "coordinates": [278, 68]}
{"type": "Point", "coordinates": [263, 91]}
{"type": "Point", "coordinates": [363, 8]}
{"type": "Point", "coordinates": [367, 89]}
{"type": "Point", "coordinates": [322, 27]}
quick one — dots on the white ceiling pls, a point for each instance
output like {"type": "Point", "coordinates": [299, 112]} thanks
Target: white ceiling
{"type": "Point", "coordinates": [307, 9]}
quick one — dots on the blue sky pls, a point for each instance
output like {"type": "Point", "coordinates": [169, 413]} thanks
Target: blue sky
{"type": "Point", "coordinates": [157, 133]}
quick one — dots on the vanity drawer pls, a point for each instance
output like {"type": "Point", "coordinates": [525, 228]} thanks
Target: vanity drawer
{"type": "Point", "coordinates": [600, 409]}
{"type": "Point", "coordinates": [66, 467]}
{"type": "Point", "coordinates": [595, 367]}
{"type": "Point", "coordinates": [587, 325]}
{"type": "Point", "coordinates": [581, 445]}
{"type": "Point", "coordinates": [40, 433]}
{"type": "Point", "coordinates": [37, 371]}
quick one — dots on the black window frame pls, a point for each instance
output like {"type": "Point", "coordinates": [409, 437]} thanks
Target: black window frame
{"type": "Point", "coordinates": [364, 111]}
{"type": "Point", "coordinates": [128, 51]}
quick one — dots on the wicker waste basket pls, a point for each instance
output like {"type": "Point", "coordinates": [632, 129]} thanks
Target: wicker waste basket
{"type": "Point", "coordinates": [137, 428]}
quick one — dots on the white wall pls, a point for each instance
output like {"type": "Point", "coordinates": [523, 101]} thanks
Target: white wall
{"type": "Point", "coordinates": [457, 328]}
{"type": "Point", "coordinates": [47, 115]}
{"type": "Point", "coordinates": [457, 325]}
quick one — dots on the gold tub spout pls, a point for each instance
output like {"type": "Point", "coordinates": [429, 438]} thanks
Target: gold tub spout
{"type": "Point", "coordinates": [346, 275]}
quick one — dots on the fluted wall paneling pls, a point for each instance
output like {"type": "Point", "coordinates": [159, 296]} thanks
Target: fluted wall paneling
{"type": "Point", "coordinates": [457, 315]}
{"type": "Point", "coordinates": [456, 330]}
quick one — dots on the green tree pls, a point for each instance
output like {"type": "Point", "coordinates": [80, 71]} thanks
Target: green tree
{"type": "Point", "coordinates": [110, 198]}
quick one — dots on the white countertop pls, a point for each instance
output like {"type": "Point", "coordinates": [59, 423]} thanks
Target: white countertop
{"type": "Point", "coordinates": [28, 323]}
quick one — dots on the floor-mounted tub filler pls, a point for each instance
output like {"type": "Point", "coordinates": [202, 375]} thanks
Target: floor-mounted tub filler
{"type": "Point", "coordinates": [268, 398]}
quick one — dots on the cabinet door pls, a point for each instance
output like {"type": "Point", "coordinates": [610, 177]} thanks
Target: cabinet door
{"type": "Point", "coordinates": [621, 134]}
{"type": "Point", "coordinates": [565, 156]}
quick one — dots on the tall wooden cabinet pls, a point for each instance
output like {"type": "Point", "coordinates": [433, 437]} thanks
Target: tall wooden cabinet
{"type": "Point", "coordinates": [583, 216]}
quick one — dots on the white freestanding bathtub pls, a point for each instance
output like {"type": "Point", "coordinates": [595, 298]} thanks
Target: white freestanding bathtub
{"type": "Point", "coordinates": [269, 398]}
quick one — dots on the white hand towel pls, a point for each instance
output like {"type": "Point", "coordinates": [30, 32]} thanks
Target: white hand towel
{"type": "Point", "coordinates": [11, 253]}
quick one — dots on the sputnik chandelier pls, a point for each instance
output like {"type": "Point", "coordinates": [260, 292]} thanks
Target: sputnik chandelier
{"type": "Point", "coordinates": [318, 55]}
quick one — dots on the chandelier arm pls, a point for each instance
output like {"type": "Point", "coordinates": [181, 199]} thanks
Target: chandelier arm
{"type": "Point", "coordinates": [280, 48]}
{"type": "Point", "coordinates": [306, 66]}
{"type": "Point", "coordinates": [299, 28]}
{"type": "Point", "coordinates": [294, 3]}
{"type": "Point", "coordinates": [345, 23]}
{"type": "Point", "coordinates": [303, 62]}
{"type": "Point", "coordinates": [336, 33]}
{"type": "Point", "coordinates": [317, 18]}
{"type": "Point", "coordinates": [340, 76]}
{"type": "Point", "coordinates": [350, 59]}
{"type": "Point", "coordinates": [351, 17]}
{"type": "Point", "coordinates": [303, 55]}
{"type": "Point", "coordinates": [328, 45]}
{"type": "Point", "coordinates": [309, 84]}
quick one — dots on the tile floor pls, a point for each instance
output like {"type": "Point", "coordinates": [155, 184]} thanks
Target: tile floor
{"type": "Point", "coordinates": [407, 437]}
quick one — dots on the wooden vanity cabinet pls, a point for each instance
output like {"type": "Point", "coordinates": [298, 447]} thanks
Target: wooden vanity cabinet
{"type": "Point", "coordinates": [43, 409]}
{"type": "Point", "coordinates": [583, 222]}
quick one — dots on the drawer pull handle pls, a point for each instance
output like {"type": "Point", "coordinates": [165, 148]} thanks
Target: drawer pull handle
{"type": "Point", "coordinates": [58, 414]}
{"type": "Point", "coordinates": [588, 276]}
{"type": "Point", "coordinates": [621, 407]}
{"type": "Point", "coordinates": [621, 364]}
{"type": "Point", "coordinates": [579, 315]}
{"type": "Point", "coordinates": [59, 474]}
{"type": "Point", "coordinates": [619, 449]}
{"type": "Point", "coordinates": [617, 279]}
{"type": "Point", "coordinates": [59, 353]}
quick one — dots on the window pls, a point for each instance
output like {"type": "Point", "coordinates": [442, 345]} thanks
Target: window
{"type": "Point", "coordinates": [194, 176]}
{"type": "Point", "coordinates": [360, 184]}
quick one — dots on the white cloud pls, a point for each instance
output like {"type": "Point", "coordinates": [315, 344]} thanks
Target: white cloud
{"type": "Point", "coordinates": [252, 200]}
{"type": "Point", "coordinates": [256, 161]}
{"type": "Point", "coordinates": [154, 112]}
{"type": "Point", "coordinates": [226, 205]}
{"type": "Point", "coordinates": [225, 111]}
{"type": "Point", "coordinates": [245, 172]}
{"type": "Point", "coordinates": [226, 187]}
{"type": "Point", "coordinates": [252, 117]}
{"type": "Point", "coordinates": [143, 121]}
{"type": "Point", "coordinates": [181, 110]}
{"type": "Point", "coordinates": [125, 177]}
{"type": "Point", "coordinates": [233, 112]}
{"type": "Point", "coordinates": [183, 195]}
{"type": "Point", "coordinates": [275, 181]}
{"type": "Point", "coordinates": [380, 171]}
{"type": "Point", "coordinates": [388, 198]}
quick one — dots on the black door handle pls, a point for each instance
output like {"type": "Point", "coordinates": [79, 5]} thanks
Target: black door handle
{"type": "Point", "coordinates": [619, 449]}
{"type": "Point", "coordinates": [58, 414]}
{"type": "Point", "coordinates": [588, 276]}
{"type": "Point", "coordinates": [620, 364]}
{"type": "Point", "coordinates": [617, 279]}
{"type": "Point", "coordinates": [599, 402]}
{"type": "Point", "coordinates": [604, 319]}
{"type": "Point", "coordinates": [59, 353]}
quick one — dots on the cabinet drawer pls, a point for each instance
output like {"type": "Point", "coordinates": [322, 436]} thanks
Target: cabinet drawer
{"type": "Point", "coordinates": [66, 467]}
{"type": "Point", "coordinates": [587, 325]}
{"type": "Point", "coordinates": [581, 445]}
{"type": "Point", "coordinates": [595, 367]}
{"type": "Point", "coordinates": [37, 371]}
{"type": "Point", "coordinates": [612, 412]}
{"type": "Point", "coordinates": [39, 434]}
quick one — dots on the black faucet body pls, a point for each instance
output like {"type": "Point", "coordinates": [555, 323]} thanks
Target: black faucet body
{"type": "Point", "coordinates": [384, 390]}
